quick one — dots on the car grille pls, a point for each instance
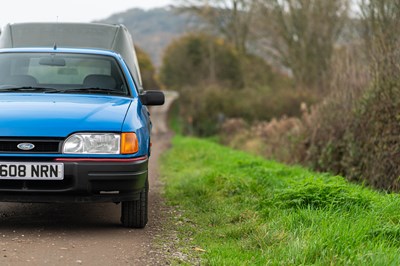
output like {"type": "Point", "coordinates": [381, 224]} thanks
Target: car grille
{"type": "Point", "coordinates": [41, 145]}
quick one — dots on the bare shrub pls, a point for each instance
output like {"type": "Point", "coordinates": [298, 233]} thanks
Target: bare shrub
{"type": "Point", "coordinates": [278, 139]}
{"type": "Point", "coordinates": [329, 122]}
{"type": "Point", "coordinates": [355, 131]}
{"type": "Point", "coordinates": [320, 138]}
{"type": "Point", "coordinates": [363, 141]}
{"type": "Point", "coordinates": [375, 133]}
{"type": "Point", "coordinates": [232, 128]}
{"type": "Point", "coordinates": [283, 137]}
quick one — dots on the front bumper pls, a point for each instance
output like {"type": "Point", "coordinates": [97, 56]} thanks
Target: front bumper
{"type": "Point", "coordinates": [85, 180]}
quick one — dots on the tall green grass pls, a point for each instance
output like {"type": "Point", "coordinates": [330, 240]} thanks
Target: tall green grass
{"type": "Point", "coordinates": [243, 210]}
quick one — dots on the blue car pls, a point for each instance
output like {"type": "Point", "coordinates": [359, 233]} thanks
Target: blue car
{"type": "Point", "coordinates": [74, 126]}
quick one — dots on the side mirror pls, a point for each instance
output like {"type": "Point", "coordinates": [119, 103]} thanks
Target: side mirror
{"type": "Point", "coordinates": [152, 98]}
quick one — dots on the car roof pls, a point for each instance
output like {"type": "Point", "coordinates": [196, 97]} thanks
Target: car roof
{"type": "Point", "coordinates": [115, 38]}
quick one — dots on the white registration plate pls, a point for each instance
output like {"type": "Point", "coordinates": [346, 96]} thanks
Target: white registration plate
{"type": "Point", "coordinates": [31, 171]}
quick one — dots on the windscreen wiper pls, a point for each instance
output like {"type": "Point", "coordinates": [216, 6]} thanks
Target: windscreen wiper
{"type": "Point", "coordinates": [95, 90]}
{"type": "Point", "coordinates": [30, 89]}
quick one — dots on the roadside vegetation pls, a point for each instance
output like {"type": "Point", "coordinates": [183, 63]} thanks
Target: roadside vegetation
{"type": "Point", "coordinates": [304, 82]}
{"type": "Point", "coordinates": [240, 209]}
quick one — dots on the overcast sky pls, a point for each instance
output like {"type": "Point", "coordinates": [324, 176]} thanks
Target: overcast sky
{"type": "Point", "coordinates": [68, 10]}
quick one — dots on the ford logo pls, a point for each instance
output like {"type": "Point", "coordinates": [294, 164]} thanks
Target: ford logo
{"type": "Point", "coordinates": [26, 146]}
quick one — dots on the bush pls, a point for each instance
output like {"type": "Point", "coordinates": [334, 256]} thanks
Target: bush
{"type": "Point", "coordinates": [204, 109]}
{"type": "Point", "coordinates": [374, 136]}
{"type": "Point", "coordinates": [279, 139]}
{"type": "Point", "coordinates": [354, 132]}
{"type": "Point", "coordinates": [147, 70]}
{"type": "Point", "coordinates": [320, 137]}
{"type": "Point", "coordinates": [357, 132]}
{"type": "Point", "coordinates": [328, 124]}
{"type": "Point", "coordinates": [258, 73]}
{"type": "Point", "coordinates": [200, 59]}
{"type": "Point", "coordinates": [210, 76]}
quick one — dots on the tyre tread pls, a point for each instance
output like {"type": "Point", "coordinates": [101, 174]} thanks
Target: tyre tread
{"type": "Point", "coordinates": [134, 214]}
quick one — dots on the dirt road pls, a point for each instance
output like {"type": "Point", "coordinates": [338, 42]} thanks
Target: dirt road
{"type": "Point", "coordinates": [81, 234]}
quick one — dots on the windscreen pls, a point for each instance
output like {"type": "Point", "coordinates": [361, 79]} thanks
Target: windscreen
{"type": "Point", "coordinates": [61, 72]}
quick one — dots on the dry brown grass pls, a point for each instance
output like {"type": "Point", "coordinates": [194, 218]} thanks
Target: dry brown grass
{"type": "Point", "coordinates": [278, 139]}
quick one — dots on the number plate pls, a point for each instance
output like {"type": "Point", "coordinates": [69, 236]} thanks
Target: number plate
{"type": "Point", "coordinates": [31, 171]}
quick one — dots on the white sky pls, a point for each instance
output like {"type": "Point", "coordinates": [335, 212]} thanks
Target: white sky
{"type": "Point", "coordinates": [68, 10]}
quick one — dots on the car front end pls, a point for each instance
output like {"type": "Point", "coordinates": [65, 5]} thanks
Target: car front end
{"type": "Point", "coordinates": [73, 128]}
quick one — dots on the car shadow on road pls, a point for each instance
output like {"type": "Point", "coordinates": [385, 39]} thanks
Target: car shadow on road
{"type": "Point", "coordinates": [60, 216]}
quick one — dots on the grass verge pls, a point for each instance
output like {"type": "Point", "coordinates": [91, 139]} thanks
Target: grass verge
{"type": "Point", "coordinates": [239, 209]}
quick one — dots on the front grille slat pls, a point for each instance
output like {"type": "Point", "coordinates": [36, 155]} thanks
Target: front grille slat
{"type": "Point", "coordinates": [41, 145]}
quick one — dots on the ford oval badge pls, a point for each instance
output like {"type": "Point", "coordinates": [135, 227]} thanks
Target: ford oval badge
{"type": "Point", "coordinates": [26, 146]}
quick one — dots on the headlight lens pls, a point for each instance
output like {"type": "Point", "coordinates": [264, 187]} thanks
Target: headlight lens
{"type": "Point", "coordinates": [93, 143]}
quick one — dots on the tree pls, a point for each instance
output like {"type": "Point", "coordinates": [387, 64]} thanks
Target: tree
{"type": "Point", "coordinates": [147, 70]}
{"type": "Point", "coordinates": [377, 127]}
{"type": "Point", "coordinates": [381, 21]}
{"type": "Point", "coordinates": [302, 35]}
{"type": "Point", "coordinates": [231, 18]}
{"type": "Point", "coordinates": [200, 59]}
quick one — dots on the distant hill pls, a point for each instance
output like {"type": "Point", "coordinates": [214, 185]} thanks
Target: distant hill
{"type": "Point", "coordinates": [153, 29]}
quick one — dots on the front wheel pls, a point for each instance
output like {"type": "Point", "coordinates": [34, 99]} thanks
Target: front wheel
{"type": "Point", "coordinates": [134, 213]}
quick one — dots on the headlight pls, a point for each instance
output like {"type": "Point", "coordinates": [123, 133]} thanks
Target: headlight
{"type": "Point", "coordinates": [93, 143]}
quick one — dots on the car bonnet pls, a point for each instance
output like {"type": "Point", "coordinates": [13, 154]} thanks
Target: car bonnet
{"type": "Point", "coordinates": [53, 115]}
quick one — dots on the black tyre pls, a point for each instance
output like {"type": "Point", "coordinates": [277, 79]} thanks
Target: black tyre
{"type": "Point", "coordinates": [134, 213]}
